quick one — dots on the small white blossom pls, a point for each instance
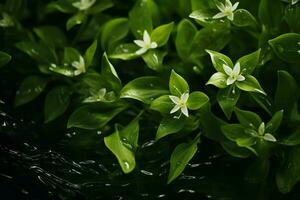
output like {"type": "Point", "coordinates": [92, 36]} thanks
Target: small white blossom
{"type": "Point", "coordinates": [226, 10]}
{"type": "Point", "coordinates": [96, 96]}
{"type": "Point", "coordinates": [83, 4]}
{"type": "Point", "coordinates": [266, 136]}
{"type": "Point", "coordinates": [145, 44]}
{"type": "Point", "coordinates": [233, 74]}
{"type": "Point", "coordinates": [180, 103]}
{"type": "Point", "coordinates": [79, 66]}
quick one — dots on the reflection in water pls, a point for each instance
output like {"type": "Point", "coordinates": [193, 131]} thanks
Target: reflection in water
{"type": "Point", "coordinates": [76, 165]}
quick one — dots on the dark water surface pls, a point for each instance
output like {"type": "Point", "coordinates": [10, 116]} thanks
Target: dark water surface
{"type": "Point", "coordinates": [40, 161]}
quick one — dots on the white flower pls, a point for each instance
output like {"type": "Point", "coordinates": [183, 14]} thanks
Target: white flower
{"type": "Point", "coordinates": [79, 65]}
{"type": "Point", "coordinates": [83, 4]}
{"type": "Point", "coordinates": [233, 74]}
{"type": "Point", "coordinates": [6, 20]}
{"type": "Point", "coordinates": [96, 96]}
{"type": "Point", "coordinates": [180, 103]}
{"type": "Point", "coordinates": [145, 44]}
{"type": "Point", "coordinates": [226, 9]}
{"type": "Point", "coordinates": [266, 136]}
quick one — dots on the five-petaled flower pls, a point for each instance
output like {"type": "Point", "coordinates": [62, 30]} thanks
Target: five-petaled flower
{"type": "Point", "coordinates": [180, 103]}
{"type": "Point", "coordinates": [145, 44]}
{"type": "Point", "coordinates": [233, 74]}
{"type": "Point", "coordinates": [226, 10]}
{"type": "Point", "coordinates": [83, 4]}
{"type": "Point", "coordinates": [79, 66]}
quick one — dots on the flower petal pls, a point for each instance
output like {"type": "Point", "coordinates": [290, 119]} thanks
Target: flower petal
{"type": "Point", "coordinates": [230, 80]}
{"type": "Point", "coordinates": [184, 97]}
{"type": "Point", "coordinates": [153, 45]}
{"type": "Point", "coordinates": [269, 137]}
{"type": "Point", "coordinates": [228, 4]}
{"type": "Point", "coordinates": [234, 7]}
{"type": "Point", "coordinates": [220, 6]}
{"type": "Point", "coordinates": [141, 51]}
{"type": "Point", "coordinates": [219, 15]}
{"type": "Point", "coordinates": [175, 109]}
{"type": "Point", "coordinates": [146, 37]}
{"type": "Point", "coordinates": [140, 43]}
{"type": "Point", "coordinates": [185, 111]}
{"type": "Point", "coordinates": [174, 99]}
{"type": "Point", "coordinates": [240, 78]}
{"type": "Point", "coordinates": [236, 69]}
{"type": "Point", "coordinates": [230, 16]}
{"type": "Point", "coordinates": [227, 70]}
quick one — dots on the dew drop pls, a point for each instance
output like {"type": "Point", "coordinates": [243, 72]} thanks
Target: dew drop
{"type": "Point", "coordinates": [99, 132]}
{"type": "Point", "coordinates": [126, 164]}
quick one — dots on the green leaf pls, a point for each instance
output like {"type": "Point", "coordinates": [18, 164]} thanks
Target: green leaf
{"type": "Point", "coordinates": [218, 79]}
{"type": "Point", "coordinates": [30, 88]}
{"type": "Point", "coordinates": [197, 100]}
{"type": "Point", "coordinates": [286, 92]}
{"type": "Point", "coordinates": [275, 122]}
{"type": "Point", "coordinates": [162, 104]}
{"type": "Point", "coordinates": [51, 35]}
{"type": "Point", "coordinates": [287, 47]}
{"type": "Point", "coordinates": [180, 157]}
{"type": "Point", "coordinates": [71, 55]}
{"type": "Point", "coordinates": [144, 89]}
{"type": "Point", "coordinates": [140, 18]}
{"type": "Point", "coordinates": [196, 4]}
{"type": "Point", "coordinates": [57, 102]}
{"type": "Point", "coordinates": [113, 31]}
{"type": "Point", "coordinates": [248, 119]}
{"type": "Point", "coordinates": [154, 59]}
{"type": "Point", "coordinates": [125, 52]}
{"type": "Point", "coordinates": [246, 142]}
{"type": "Point", "coordinates": [270, 13]}
{"type": "Point", "coordinates": [177, 84]}
{"type": "Point", "coordinates": [185, 32]}
{"type": "Point", "coordinates": [90, 53]}
{"type": "Point", "coordinates": [249, 62]}
{"type": "Point", "coordinates": [130, 134]}
{"type": "Point", "coordinates": [76, 19]}
{"type": "Point", "coordinates": [227, 100]}
{"type": "Point", "coordinates": [243, 18]}
{"type": "Point", "coordinates": [214, 37]}
{"type": "Point", "coordinates": [263, 101]}
{"type": "Point", "coordinates": [169, 126]}
{"type": "Point", "coordinates": [293, 139]}
{"type": "Point", "coordinates": [292, 18]}
{"type": "Point", "coordinates": [4, 58]}
{"type": "Point", "coordinates": [234, 150]}
{"type": "Point", "coordinates": [125, 156]}
{"type": "Point", "coordinates": [108, 71]}
{"type": "Point", "coordinates": [203, 15]}
{"type": "Point", "coordinates": [289, 174]}
{"type": "Point", "coordinates": [39, 52]}
{"type": "Point", "coordinates": [250, 84]}
{"type": "Point", "coordinates": [161, 34]}
{"type": "Point", "coordinates": [62, 6]}
{"type": "Point", "coordinates": [94, 116]}
{"type": "Point", "coordinates": [236, 133]}
{"type": "Point", "coordinates": [100, 7]}
{"type": "Point", "coordinates": [218, 60]}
